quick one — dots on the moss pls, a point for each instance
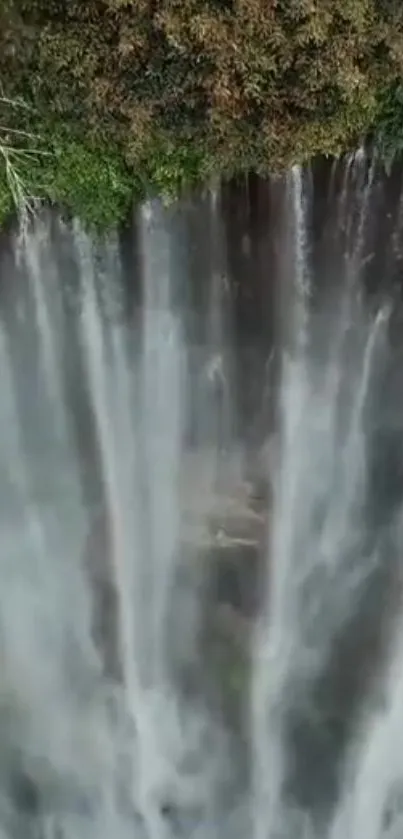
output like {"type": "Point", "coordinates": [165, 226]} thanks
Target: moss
{"type": "Point", "coordinates": [172, 167]}
{"type": "Point", "coordinates": [87, 178]}
{"type": "Point", "coordinates": [6, 200]}
{"type": "Point", "coordinates": [388, 124]}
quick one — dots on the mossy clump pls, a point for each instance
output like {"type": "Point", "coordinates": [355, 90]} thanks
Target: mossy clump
{"type": "Point", "coordinates": [90, 176]}
{"type": "Point", "coordinates": [61, 166]}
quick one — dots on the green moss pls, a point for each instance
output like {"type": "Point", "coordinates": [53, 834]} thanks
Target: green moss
{"type": "Point", "coordinates": [388, 124]}
{"type": "Point", "coordinates": [87, 178]}
{"type": "Point", "coordinates": [6, 200]}
{"type": "Point", "coordinates": [171, 168]}
{"type": "Point", "coordinates": [90, 180]}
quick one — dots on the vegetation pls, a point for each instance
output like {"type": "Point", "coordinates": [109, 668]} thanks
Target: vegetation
{"type": "Point", "coordinates": [389, 124]}
{"type": "Point", "coordinates": [117, 97]}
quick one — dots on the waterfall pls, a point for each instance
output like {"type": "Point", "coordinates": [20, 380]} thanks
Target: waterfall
{"type": "Point", "coordinates": [319, 554]}
{"type": "Point", "coordinates": [100, 633]}
{"type": "Point", "coordinates": [193, 642]}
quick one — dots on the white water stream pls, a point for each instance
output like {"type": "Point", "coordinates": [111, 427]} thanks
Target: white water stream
{"type": "Point", "coordinates": [107, 512]}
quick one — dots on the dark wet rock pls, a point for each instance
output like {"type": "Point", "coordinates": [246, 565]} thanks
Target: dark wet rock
{"type": "Point", "coordinates": [235, 578]}
{"type": "Point", "coordinates": [24, 793]}
{"type": "Point", "coordinates": [104, 597]}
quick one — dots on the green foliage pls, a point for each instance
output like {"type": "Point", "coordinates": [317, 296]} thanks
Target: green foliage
{"type": "Point", "coordinates": [6, 200]}
{"type": "Point", "coordinates": [388, 126]}
{"type": "Point", "coordinates": [170, 168]}
{"type": "Point", "coordinates": [87, 178]}
{"type": "Point", "coordinates": [156, 96]}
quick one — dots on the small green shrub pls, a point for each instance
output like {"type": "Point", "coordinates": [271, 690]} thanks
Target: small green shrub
{"type": "Point", "coordinates": [87, 178]}
{"type": "Point", "coordinates": [90, 179]}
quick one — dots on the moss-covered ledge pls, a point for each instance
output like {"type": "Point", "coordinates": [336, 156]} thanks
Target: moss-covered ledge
{"type": "Point", "coordinates": [107, 101]}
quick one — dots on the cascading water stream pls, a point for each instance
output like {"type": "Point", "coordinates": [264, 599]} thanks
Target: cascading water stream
{"type": "Point", "coordinates": [134, 549]}
{"type": "Point", "coordinates": [318, 560]}
{"type": "Point", "coordinates": [275, 639]}
{"type": "Point", "coordinates": [372, 801]}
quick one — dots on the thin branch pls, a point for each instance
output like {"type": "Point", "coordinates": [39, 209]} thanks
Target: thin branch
{"type": "Point", "coordinates": [28, 152]}
{"type": "Point", "coordinates": [13, 156]}
{"type": "Point", "coordinates": [15, 103]}
{"type": "Point", "coordinates": [19, 132]}
{"type": "Point", "coordinates": [23, 202]}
